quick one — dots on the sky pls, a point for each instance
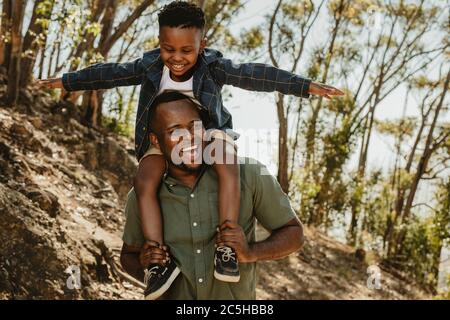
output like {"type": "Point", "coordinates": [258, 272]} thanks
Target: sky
{"type": "Point", "coordinates": [254, 114]}
{"type": "Point", "coordinates": [252, 111]}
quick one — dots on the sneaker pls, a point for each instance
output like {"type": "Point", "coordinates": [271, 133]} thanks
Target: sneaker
{"type": "Point", "coordinates": [158, 279]}
{"type": "Point", "coordinates": [226, 266]}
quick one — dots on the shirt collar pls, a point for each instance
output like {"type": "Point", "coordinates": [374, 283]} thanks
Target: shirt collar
{"type": "Point", "coordinates": [172, 182]}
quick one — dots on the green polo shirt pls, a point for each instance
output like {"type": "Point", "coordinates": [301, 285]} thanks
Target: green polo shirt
{"type": "Point", "coordinates": [190, 220]}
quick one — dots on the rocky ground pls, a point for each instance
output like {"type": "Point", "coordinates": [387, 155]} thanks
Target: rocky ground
{"type": "Point", "coordinates": [328, 269]}
{"type": "Point", "coordinates": [62, 191]}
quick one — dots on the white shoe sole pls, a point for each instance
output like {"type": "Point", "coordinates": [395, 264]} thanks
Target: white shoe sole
{"type": "Point", "coordinates": [155, 295]}
{"type": "Point", "coordinates": [225, 278]}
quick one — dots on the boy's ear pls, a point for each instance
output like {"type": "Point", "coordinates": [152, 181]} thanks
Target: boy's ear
{"type": "Point", "coordinates": [203, 44]}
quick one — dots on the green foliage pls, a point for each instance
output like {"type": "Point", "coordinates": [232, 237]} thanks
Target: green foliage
{"type": "Point", "coordinates": [44, 8]}
{"type": "Point", "coordinates": [93, 28]}
{"type": "Point", "coordinates": [343, 106]}
{"type": "Point", "coordinates": [422, 249]}
{"type": "Point", "coordinates": [119, 127]}
{"type": "Point", "coordinates": [219, 14]}
{"type": "Point", "coordinates": [352, 11]}
{"type": "Point", "coordinates": [399, 128]}
{"type": "Point", "coordinates": [151, 43]}
{"type": "Point", "coordinates": [297, 9]}
{"type": "Point", "coordinates": [252, 39]}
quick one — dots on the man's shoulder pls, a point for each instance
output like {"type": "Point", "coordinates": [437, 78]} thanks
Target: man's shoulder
{"type": "Point", "coordinates": [251, 169]}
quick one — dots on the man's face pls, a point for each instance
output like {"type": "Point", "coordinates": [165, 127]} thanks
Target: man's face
{"type": "Point", "coordinates": [180, 48]}
{"type": "Point", "coordinates": [173, 118]}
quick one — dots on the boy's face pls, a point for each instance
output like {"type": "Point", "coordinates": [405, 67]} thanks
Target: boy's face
{"type": "Point", "coordinates": [180, 48]}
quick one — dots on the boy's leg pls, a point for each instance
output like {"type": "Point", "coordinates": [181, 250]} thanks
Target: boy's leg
{"type": "Point", "coordinates": [148, 178]}
{"type": "Point", "coordinates": [229, 189]}
{"type": "Point", "coordinates": [227, 169]}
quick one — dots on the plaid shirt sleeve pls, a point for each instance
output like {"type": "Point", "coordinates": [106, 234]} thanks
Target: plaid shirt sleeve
{"type": "Point", "coordinates": [259, 77]}
{"type": "Point", "coordinates": [104, 76]}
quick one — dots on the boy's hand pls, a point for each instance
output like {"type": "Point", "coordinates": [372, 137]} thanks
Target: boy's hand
{"type": "Point", "coordinates": [324, 90]}
{"type": "Point", "coordinates": [152, 252]}
{"type": "Point", "coordinates": [53, 83]}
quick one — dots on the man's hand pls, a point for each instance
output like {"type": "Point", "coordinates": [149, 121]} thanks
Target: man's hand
{"type": "Point", "coordinates": [324, 90]}
{"type": "Point", "coordinates": [231, 234]}
{"type": "Point", "coordinates": [52, 83]}
{"type": "Point", "coordinates": [152, 253]}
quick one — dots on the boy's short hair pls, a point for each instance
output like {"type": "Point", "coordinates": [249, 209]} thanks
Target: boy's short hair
{"type": "Point", "coordinates": [181, 14]}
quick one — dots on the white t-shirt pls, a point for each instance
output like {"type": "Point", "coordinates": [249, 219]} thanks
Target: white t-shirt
{"type": "Point", "coordinates": [185, 87]}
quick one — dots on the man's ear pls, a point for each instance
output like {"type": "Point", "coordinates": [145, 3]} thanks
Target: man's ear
{"type": "Point", "coordinates": [154, 140]}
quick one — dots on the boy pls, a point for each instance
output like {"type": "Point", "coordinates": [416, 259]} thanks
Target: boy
{"type": "Point", "coordinates": [182, 63]}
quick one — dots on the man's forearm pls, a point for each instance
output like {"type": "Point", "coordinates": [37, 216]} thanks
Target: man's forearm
{"type": "Point", "coordinates": [279, 244]}
{"type": "Point", "coordinates": [130, 263]}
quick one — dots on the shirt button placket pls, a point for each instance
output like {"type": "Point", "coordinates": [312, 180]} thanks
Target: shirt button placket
{"type": "Point", "coordinates": [196, 237]}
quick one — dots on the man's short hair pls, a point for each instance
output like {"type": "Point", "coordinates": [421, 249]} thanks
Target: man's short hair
{"type": "Point", "coordinates": [181, 14]}
{"type": "Point", "coordinates": [169, 96]}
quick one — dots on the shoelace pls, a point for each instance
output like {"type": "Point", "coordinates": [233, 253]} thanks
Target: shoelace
{"type": "Point", "coordinates": [227, 253]}
{"type": "Point", "coordinates": [148, 273]}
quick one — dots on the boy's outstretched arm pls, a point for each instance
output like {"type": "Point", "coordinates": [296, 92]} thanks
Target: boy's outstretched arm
{"type": "Point", "coordinates": [99, 76]}
{"type": "Point", "coordinates": [53, 83]}
{"type": "Point", "coordinates": [267, 78]}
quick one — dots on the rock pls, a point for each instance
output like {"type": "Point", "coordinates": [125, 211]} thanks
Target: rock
{"type": "Point", "coordinates": [119, 167]}
{"type": "Point", "coordinates": [5, 284]}
{"type": "Point", "coordinates": [67, 109]}
{"type": "Point", "coordinates": [3, 76]}
{"type": "Point", "coordinates": [78, 127]}
{"type": "Point", "coordinates": [107, 204]}
{"type": "Point", "coordinates": [36, 122]}
{"type": "Point", "coordinates": [360, 254]}
{"type": "Point", "coordinates": [23, 133]}
{"type": "Point", "coordinates": [25, 96]}
{"type": "Point", "coordinates": [19, 130]}
{"type": "Point", "coordinates": [35, 144]}
{"type": "Point", "coordinates": [47, 201]}
{"type": "Point", "coordinates": [90, 160]}
{"type": "Point", "coordinates": [40, 231]}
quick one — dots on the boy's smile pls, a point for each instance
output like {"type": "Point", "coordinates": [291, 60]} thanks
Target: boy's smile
{"type": "Point", "coordinates": [180, 48]}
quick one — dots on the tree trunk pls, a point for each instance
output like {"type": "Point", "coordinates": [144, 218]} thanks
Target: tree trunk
{"type": "Point", "coordinates": [92, 101]}
{"type": "Point", "coordinates": [16, 50]}
{"type": "Point", "coordinates": [312, 123]}
{"type": "Point", "coordinates": [41, 61]}
{"type": "Point", "coordinates": [421, 169]}
{"type": "Point", "coordinates": [282, 145]}
{"type": "Point", "coordinates": [30, 46]}
{"type": "Point", "coordinates": [123, 27]}
{"type": "Point", "coordinates": [5, 44]}
{"type": "Point", "coordinates": [87, 45]}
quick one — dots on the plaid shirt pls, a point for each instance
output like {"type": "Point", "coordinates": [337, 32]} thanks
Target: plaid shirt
{"type": "Point", "coordinates": [212, 71]}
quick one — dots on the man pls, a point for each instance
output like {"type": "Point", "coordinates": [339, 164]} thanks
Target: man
{"type": "Point", "coordinates": [189, 204]}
